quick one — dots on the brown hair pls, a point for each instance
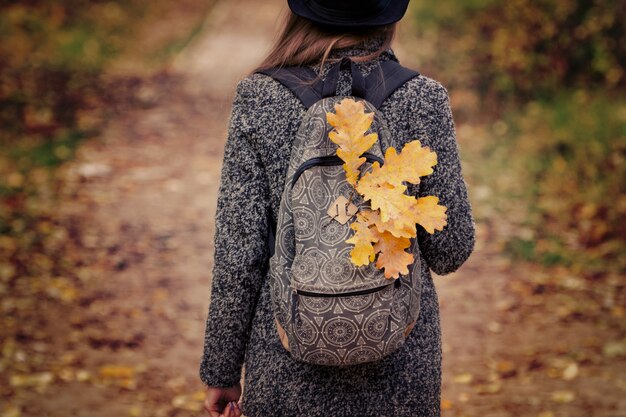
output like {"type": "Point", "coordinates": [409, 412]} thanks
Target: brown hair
{"type": "Point", "coordinates": [303, 42]}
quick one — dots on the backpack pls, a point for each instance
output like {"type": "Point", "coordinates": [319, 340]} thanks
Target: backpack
{"type": "Point", "coordinates": [328, 311]}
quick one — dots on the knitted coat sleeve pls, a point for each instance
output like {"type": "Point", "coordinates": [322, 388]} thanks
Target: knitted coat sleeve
{"type": "Point", "coordinates": [445, 251]}
{"type": "Point", "coordinates": [240, 248]}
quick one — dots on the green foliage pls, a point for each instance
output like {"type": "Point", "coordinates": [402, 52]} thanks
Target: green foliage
{"type": "Point", "coordinates": [447, 14]}
{"type": "Point", "coordinates": [573, 172]}
{"type": "Point", "coordinates": [531, 48]}
{"type": "Point", "coordinates": [544, 73]}
{"type": "Point", "coordinates": [51, 56]}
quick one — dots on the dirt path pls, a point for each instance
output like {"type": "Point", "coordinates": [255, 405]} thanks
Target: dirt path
{"type": "Point", "coordinates": [144, 195]}
{"type": "Point", "coordinates": [130, 345]}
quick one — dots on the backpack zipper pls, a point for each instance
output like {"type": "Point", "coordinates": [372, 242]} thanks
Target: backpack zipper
{"type": "Point", "coordinates": [345, 294]}
{"type": "Point", "coordinates": [295, 292]}
{"type": "Point", "coordinates": [330, 160]}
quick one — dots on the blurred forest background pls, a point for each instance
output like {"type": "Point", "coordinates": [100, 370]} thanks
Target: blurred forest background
{"type": "Point", "coordinates": [548, 78]}
{"type": "Point", "coordinates": [102, 101]}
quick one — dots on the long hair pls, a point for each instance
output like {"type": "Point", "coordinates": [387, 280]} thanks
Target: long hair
{"type": "Point", "coordinates": [303, 42]}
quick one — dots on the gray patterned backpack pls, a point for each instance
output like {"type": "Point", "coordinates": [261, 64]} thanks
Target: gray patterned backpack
{"type": "Point", "coordinates": [328, 311]}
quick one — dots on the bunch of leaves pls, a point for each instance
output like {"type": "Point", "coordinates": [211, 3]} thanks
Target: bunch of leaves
{"type": "Point", "coordinates": [527, 48]}
{"type": "Point", "coordinates": [386, 228]}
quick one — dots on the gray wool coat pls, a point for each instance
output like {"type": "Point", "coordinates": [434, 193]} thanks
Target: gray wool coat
{"type": "Point", "coordinates": [240, 326]}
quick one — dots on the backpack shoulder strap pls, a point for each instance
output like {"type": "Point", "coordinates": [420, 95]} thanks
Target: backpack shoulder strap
{"type": "Point", "coordinates": [383, 82]}
{"type": "Point", "coordinates": [375, 88]}
{"type": "Point", "coordinates": [304, 82]}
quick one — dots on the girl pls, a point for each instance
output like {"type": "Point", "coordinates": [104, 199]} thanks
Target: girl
{"type": "Point", "coordinates": [265, 117]}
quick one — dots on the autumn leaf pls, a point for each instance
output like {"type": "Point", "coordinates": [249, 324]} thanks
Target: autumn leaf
{"type": "Point", "coordinates": [369, 240]}
{"type": "Point", "coordinates": [464, 378]}
{"type": "Point", "coordinates": [390, 226]}
{"type": "Point", "coordinates": [446, 404]}
{"type": "Point", "coordinates": [428, 213]}
{"type": "Point", "coordinates": [31, 380]}
{"type": "Point", "coordinates": [392, 255]}
{"type": "Point", "coordinates": [570, 372]}
{"type": "Point", "coordinates": [384, 187]}
{"type": "Point", "coordinates": [413, 162]}
{"type": "Point", "coordinates": [563, 396]}
{"type": "Point", "coordinates": [400, 212]}
{"type": "Point", "coordinates": [190, 402]}
{"type": "Point", "coordinates": [364, 236]}
{"type": "Point", "coordinates": [506, 369]}
{"type": "Point", "coordinates": [396, 208]}
{"type": "Point", "coordinates": [351, 122]}
{"type": "Point", "coordinates": [116, 371]}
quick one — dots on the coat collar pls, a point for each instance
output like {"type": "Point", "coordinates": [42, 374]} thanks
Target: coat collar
{"type": "Point", "coordinates": [368, 47]}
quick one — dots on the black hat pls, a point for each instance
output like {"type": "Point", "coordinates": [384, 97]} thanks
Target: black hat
{"type": "Point", "coordinates": [350, 13]}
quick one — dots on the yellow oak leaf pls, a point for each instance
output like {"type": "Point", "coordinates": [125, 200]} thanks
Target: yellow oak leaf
{"type": "Point", "coordinates": [429, 214]}
{"type": "Point", "coordinates": [383, 196]}
{"type": "Point", "coordinates": [403, 229]}
{"type": "Point", "coordinates": [392, 255]}
{"type": "Point", "coordinates": [389, 226]}
{"type": "Point", "coordinates": [350, 123]}
{"type": "Point", "coordinates": [413, 162]}
{"type": "Point", "coordinates": [384, 187]}
{"type": "Point", "coordinates": [363, 238]}
{"type": "Point", "coordinates": [397, 214]}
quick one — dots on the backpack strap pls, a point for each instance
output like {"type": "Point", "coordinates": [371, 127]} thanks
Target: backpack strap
{"type": "Point", "coordinates": [271, 234]}
{"type": "Point", "coordinates": [375, 88]}
{"type": "Point", "coordinates": [297, 79]}
{"type": "Point", "coordinates": [382, 83]}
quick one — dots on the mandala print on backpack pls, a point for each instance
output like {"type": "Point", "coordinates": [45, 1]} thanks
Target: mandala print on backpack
{"type": "Point", "coordinates": [329, 309]}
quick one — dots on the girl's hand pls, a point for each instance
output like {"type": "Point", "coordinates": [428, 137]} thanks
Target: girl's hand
{"type": "Point", "coordinates": [222, 402]}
